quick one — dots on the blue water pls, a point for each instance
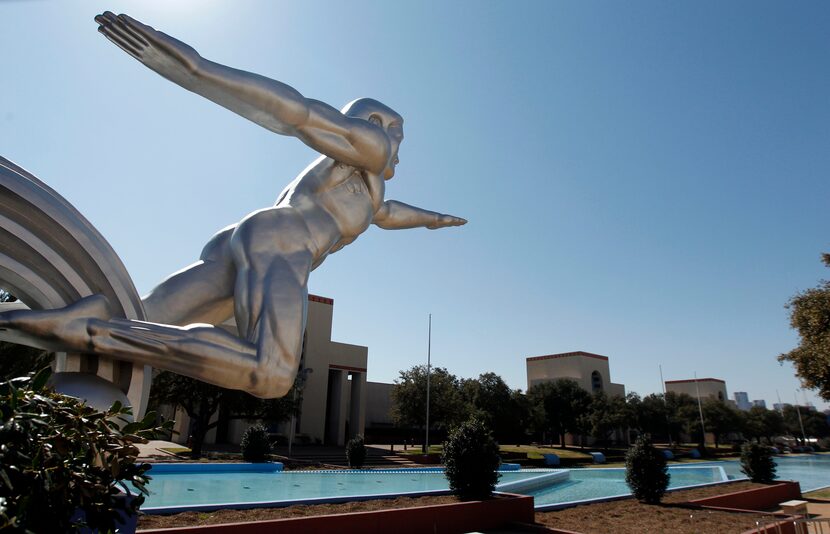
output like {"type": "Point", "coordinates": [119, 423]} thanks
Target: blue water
{"type": "Point", "coordinates": [597, 483]}
{"type": "Point", "coordinates": [812, 472]}
{"type": "Point", "coordinates": [185, 489]}
{"type": "Point", "coordinates": [212, 489]}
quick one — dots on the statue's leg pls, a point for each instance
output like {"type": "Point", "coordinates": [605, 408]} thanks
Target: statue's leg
{"type": "Point", "coordinates": [271, 299]}
{"type": "Point", "coordinates": [199, 293]}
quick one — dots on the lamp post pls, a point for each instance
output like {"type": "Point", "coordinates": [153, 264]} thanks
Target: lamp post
{"type": "Point", "coordinates": [302, 376]}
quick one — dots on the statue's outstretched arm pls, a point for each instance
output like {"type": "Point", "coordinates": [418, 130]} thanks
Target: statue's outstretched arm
{"type": "Point", "coordinates": [394, 215]}
{"type": "Point", "coordinates": [269, 103]}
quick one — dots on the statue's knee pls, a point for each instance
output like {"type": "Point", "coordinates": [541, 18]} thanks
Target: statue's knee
{"type": "Point", "coordinates": [269, 384]}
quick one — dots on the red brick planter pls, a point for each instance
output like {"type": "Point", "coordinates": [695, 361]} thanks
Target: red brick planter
{"type": "Point", "coordinates": [759, 499]}
{"type": "Point", "coordinates": [754, 499]}
{"type": "Point", "coordinates": [442, 518]}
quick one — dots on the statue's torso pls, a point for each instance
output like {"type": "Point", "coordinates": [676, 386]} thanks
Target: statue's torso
{"type": "Point", "coordinates": [334, 214]}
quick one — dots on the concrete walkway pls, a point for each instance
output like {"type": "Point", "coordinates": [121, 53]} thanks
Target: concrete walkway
{"type": "Point", "coordinates": [152, 450]}
{"type": "Point", "coordinates": [818, 509]}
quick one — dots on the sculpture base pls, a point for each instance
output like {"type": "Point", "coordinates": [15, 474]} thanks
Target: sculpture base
{"type": "Point", "coordinates": [93, 390]}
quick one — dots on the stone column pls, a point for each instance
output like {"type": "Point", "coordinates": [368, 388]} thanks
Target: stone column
{"type": "Point", "coordinates": [357, 412]}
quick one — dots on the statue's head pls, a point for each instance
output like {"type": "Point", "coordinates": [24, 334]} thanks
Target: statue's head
{"type": "Point", "coordinates": [384, 117]}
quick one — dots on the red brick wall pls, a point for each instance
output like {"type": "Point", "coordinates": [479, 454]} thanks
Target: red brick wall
{"type": "Point", "coordinates": [444, 518]}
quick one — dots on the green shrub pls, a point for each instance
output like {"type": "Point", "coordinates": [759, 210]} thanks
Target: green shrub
{"type": "Point", "coordinates": [645, 471]}
{"type": "Point", "coordinates": [356, 452]}
{"type": "Point", "coordinates": [757, 463]}
{"type": "Point", "coordinates": [255, 444]}
{"type": "Point", "coordinates": [61, 460]}
{"type": "Point", "coordinates": [471, 458]}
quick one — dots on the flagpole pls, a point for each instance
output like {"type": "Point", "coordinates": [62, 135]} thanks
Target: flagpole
{"type": "Point", "coordinates": [700, 410]}
{"type": "Point", "coordinates": [665, 403]}
{"type": "Point", "coordinates": [429, 350]}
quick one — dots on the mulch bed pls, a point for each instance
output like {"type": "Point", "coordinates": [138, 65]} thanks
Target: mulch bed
{"type": "Point", "coordinates": [631, 517]}
{"type": "Point", "coordinates": [620, 517]}
{"type": "Point", "coordinates": [190, 519]}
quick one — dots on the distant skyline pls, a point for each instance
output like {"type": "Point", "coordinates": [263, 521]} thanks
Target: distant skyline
{"type": "Point", "coordinates": [647, 181]}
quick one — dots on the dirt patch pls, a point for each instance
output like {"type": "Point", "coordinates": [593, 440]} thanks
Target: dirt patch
{"type": "Point", "coordinates": [191, 519]}
{"type": "Point", "coordinates": [620, 517]}
{"type": "Point", "coordinates": [631, 517]}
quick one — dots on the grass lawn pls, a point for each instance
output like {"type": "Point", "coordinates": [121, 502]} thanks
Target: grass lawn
{"type": "Point", "coordinates": [532, 451]}
{"type": "Point", "coordinates": [536, 452]}
{"type": "Point", "coordinates": [175, 450]}
{"type": "Point", "coordinates": [819, 494]}
{"type": "Point", "coordinates": [416, 450]}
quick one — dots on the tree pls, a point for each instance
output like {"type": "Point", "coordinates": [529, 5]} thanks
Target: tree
{"type": "Point", "coordinates": [689, 416]}
{"type": "Point", "coordinates": [607, 414]}
{"type": "Point", "coordinates": [201, 401]}
{"type": "Point", "coordinates": [471, 459]}
{"type": "Point", "coordinates": [60, 457]}
{"type": "Point", "coordinates": [409, 393]}
{"type": "Point", "coordinates": [255, 444]}
{"type": "Point", "coordinates": [521, 420]}
{"type": "Point", "coordinates": [646, 472]}
{"type": "Point", "coordinates": [773, 425]}
{"type": "Point", "coordinates": [720, 419]}
{"type": "Point", "coordinates": [814, 423]}
{"type": "Point", "coordinates": [562, 407]}
{"type": "Point", "coordinates": [762, 423]}
{"type": "Point", "coordinates": [490, 399]}
{"type": "Point", "coordinates": [810, 317]}
{"type": "Point", "coordinates": [356, 452]}
{"type": "Point", "coordinates": [757, 463]}
{"type": "Point", "coordinates": [658, 415]}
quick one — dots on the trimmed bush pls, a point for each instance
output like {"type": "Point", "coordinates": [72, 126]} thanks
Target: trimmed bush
{"type": "Point", "coordinates": [62, 462]}
{"type": "Point", "coordinates": [356, 452]}
{"type": "Point", "coordinates": [757, 463]}
{"type": "Point", "coordinates": [646, 472]}
{"type": "Point", "coordinates": [471, 458]}
{"type": "Point", "coordinates": [255, 444]}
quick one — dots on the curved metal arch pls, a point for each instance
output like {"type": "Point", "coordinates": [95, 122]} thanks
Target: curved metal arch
{"type": "Point", "coordinates": [51, 255]}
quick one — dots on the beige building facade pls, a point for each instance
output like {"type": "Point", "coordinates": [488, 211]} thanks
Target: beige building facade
{"type": "Point", "coordinates": [590, 371]}
{"type": "Point", "coordinates": [705, 388]}
{"type": "Point", "coordinates": [334, 395]}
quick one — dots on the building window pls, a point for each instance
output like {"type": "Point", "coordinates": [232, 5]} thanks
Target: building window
{"type": "Point", "coordinates": [596, 382]}
{"type": "Point", "coordinates": [720, 396]}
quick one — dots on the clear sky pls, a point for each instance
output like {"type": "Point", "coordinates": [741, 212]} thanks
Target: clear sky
{"type": "Point", "coordinates": [643, 180]}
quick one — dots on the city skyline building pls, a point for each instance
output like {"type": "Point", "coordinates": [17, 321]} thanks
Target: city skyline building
{"type": "Point", "coordinates": [742, 400]}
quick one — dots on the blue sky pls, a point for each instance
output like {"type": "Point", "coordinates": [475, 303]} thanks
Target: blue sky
{"type": "Point", "coordinates": [646, 180]}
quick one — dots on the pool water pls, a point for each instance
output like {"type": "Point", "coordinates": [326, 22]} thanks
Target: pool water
{"type": "Point", "coordinates": [812, 472]}
{"type": "Point", "coordinates": [195, 489]}
{"type": "Point", "coordinates": [207, 489]}
{"type": "Point", "coordinates": [596, 483]}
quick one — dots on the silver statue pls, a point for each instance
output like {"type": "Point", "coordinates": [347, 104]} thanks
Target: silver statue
{"type": "Point", "coordinates": [256, 270]}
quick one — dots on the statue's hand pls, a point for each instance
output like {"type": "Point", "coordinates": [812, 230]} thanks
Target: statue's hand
{"type": "Point", "coordinates": [446, 220]}
{"type": "Point", "coordinates": [169, 57]}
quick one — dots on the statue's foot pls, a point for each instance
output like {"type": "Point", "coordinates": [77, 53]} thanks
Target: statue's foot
{"type": "Point", "coordinates": [58, 329]}
{"type": "Point", "coordinates": [91, 307]}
